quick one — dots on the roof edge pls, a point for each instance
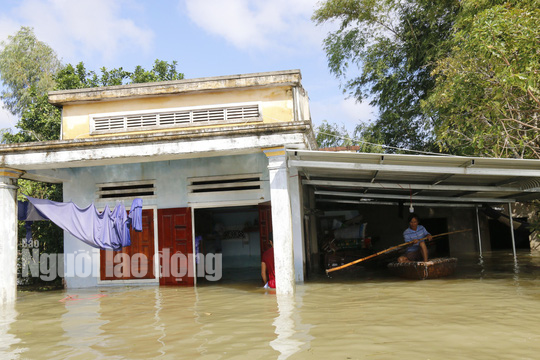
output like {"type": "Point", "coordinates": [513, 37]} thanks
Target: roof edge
{"type": "Point", "coordinates": [215, 83]}
{"type": "Point", "coordinates": [296, 126]}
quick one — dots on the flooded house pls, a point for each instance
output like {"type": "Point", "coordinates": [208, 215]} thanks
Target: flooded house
{"type": "Point", "coordinates": [225, 164]}
{"type": "Point", "coordinates": [205, 155]}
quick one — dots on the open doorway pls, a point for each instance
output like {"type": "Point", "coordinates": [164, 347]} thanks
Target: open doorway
{"type": "Point", "coordinates": [501, 238]}
{"type": "Point", "coordinates": [232, 232]}
{"type": "Point", "coordinates": [439, 247]}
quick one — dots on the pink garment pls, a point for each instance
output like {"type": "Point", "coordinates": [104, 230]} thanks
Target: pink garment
{"type": "Point", "coordinates": [268, 259]}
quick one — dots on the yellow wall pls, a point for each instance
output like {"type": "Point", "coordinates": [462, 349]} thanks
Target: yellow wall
{"type": "Point", "coordinates": [276, 106]}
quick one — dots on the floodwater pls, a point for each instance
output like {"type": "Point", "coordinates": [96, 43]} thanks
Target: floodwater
{"type": "Point", "coordinates": [490, 309]}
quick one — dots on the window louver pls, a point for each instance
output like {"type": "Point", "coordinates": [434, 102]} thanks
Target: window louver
{"type": "Point", "coordinates": [126, 190]}
{"type": "Point", "coordinates": [227, 183]}
{"type": "Point", "coordinates": [182, 117]}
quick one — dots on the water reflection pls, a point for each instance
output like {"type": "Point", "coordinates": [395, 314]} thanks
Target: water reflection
{"type": "Point", "coordinates": [481, 265]}
{"type": "Point", "coordinates": [82, 323]}
{"type": "Point", "coordinates": [516, 274]}
{"type": "Point", "coordinates": [292, 335]}
{"type": "Point", "coordinates": [37, 325]}
{"type": "Point", "coordinates": [158, 325]}
{"type": "Point", "coordinates": [8, 315]}
{"type": "Point", "coordinates": [148, 322]}
{"type": "Point", "coordinates": [486, 310]}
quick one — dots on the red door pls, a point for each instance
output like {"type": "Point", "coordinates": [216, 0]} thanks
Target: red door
{"type": "Point", "coordinates": [135, 261]}
{"type": "Point", "coordinates": [265, 226]}
{"type": "Point", "coordinates": [175, 246]}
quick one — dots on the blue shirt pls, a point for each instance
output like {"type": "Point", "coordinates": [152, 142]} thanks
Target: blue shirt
{"type": "Point", "coordinates": [410, 235]}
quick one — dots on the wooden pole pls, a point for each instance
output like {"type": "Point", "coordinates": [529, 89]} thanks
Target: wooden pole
{"type": "Point", "coordinates": [390, 249]}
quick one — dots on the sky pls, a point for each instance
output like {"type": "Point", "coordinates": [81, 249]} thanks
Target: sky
{"type": "Point", "coordinates": [206, 38]}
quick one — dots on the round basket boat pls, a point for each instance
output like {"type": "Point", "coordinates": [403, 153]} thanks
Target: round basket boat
{"type": "Point", "coordinates": [435, 268]}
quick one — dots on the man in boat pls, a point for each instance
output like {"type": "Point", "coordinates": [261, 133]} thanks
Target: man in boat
{"type": "Point", "coordinates": [267, 268]}
{"type": "Point", "coordinates": [418, 251]}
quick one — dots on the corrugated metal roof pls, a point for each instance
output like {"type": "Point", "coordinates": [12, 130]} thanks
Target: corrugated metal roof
{"type": "Point", "coordinates": [367, 177]}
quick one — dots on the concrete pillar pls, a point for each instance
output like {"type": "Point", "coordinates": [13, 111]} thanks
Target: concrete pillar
{"type": "Point", "coordinates": [478, 229]}
{"type": "Point", "coordinates": [511, 219]}
{"type": "Point", "coordinates": [8, 229]}
{"type": "Point", "coordinates": [297, 225]}
{"type": "Point", "coordinates": [281, 220]}
{"type": "Point", "coordinates": [312, 237]}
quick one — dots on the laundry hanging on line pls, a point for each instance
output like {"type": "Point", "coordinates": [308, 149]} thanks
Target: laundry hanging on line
{"type": "Point", "coordinates": [28, 213]}
{"type": "Point", "coordinates": [106, 230]}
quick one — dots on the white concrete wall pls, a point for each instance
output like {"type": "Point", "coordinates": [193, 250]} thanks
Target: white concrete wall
{"type": "Point", "coordinates": [240, 252]}
{"type": "Point", "coordinates": [297, 214]}
{"type": "Point", "coordinates": [171, 188]}
{"type": "Point", "coordinates": [8, 240]}
{"type": "Point", "coordinates": [281, 222]}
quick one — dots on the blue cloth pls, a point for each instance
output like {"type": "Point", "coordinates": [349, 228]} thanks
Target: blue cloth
{"type": "Point", "coordinates": [410, 235]}
{"type": "Point", "coordinates": [28, 213]}
{"type": "Point", "coordinates": [107, 230]}
{"type": "Point", "coordinates": [135, 214]}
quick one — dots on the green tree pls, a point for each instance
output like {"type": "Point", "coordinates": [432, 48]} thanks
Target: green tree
{"type": "Point", "coordinates": [384, 50]}
{"type": "Point", "coordinates": [331, 135]}
{"type": "Point", "coordinates": [372, 139]}
{"type": "Point", "coordinates": [40, 121]}
{"type": "Point", "coordinates": [487, 94]}
{"type": "Point", "coordinates": [162, 71]}
{"type": "Point", "coordinates": [48, 235]}
{"type": "Point", "coordinates": [27, 69]}
{"type": "Point", "coordinates": [78, 77]}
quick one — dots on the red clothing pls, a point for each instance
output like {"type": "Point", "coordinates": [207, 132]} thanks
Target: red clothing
{"type": "Point", "coordinates": [268, 259]}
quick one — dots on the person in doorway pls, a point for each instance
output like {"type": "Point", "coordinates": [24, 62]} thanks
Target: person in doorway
{"type": "Point", "coordinates": [418, 251]}
{"type": "Point", "coordinates": [267, 268]}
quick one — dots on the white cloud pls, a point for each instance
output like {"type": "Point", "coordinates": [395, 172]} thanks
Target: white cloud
{"type": "Point", "coordinates": [346, 112]}
{"type": "Point", "coordinates": [253, 24]}
{"type": "Point", "coordinates": [7, 27]}
{"type": "Point", "coordinates": [78, 29]}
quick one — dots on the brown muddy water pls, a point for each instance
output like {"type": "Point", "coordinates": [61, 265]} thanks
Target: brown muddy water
{"type": "Point", "coordinates": [490, 309]}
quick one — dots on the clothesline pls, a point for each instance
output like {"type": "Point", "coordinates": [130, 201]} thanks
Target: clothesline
{"type": "Point", "coordinates": [107, 230]}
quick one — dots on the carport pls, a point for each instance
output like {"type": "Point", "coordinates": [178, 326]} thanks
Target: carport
{"type": "Point", "coordinates": [415, 181]}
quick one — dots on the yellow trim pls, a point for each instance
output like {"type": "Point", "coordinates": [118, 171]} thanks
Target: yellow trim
{"type": "Point", "coordinates": [275, 153]}
{"type": "Point", "coordinates": [273, 148]}
{"type": "Point", "coordinates": [11, 172]}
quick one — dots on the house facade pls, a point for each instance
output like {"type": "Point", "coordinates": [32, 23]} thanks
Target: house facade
{"type": "Point", "coordinates": [207, 156]}
{"type": "Point", "coordinates": [226, 164]}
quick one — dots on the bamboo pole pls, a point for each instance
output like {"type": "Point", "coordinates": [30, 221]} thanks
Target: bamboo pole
{"type": "Point", "coordinates": [390, 249]}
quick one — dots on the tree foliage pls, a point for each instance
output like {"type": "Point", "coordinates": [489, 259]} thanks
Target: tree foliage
{"type": "Point", "coordinates": [371, 139]}
{"type": "Point", "coordinates": [385, 50]}
{"type": "Point", "coordinates": [460, 76]}
{"type": "Point", "coordinates": [331, 135]}
{"type": "Point", "coordinates": [78, 77]}
{"type": "Point", "coordinates": [46, 234]}
{"type": "Point", "coordinates": [487, 93]}
{"type": "Point", "coordinates": [27, 69]}
{"type": "Point", "coordinates": [40, 121]}
{"type": "Point", "coordinates": [162, 71]}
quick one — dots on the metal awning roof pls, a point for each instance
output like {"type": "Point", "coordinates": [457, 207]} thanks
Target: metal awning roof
{"type": "Point", "coordinates": [426, 179]}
